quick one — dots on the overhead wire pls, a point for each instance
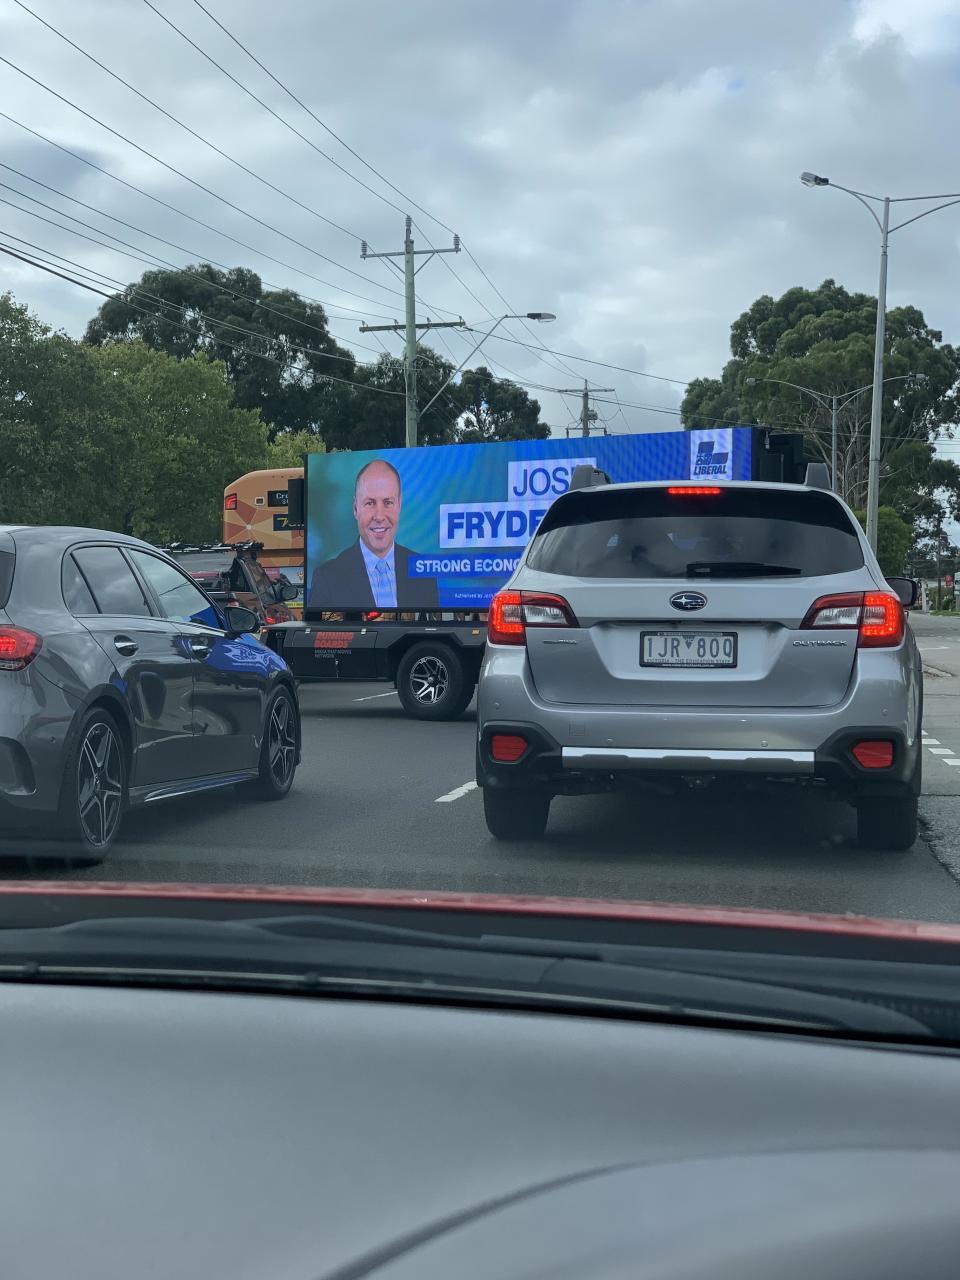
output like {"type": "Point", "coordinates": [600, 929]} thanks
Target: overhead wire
{"type": "Point", "coordinates": [209, 227]}
{"type": "Point", "coordinates": [206, 142]}
{"type": "Point", "coordinates": [329, 377]}
{"type": "Point", "coordinates": [186, 177]}
{"type": "Point", "coordinates": [322, 124]}
{"type": "Point", "coordinates": [197, 257]}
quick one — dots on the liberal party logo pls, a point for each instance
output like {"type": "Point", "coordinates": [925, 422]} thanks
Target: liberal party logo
{"type": "Point", "coordinates": [710, 455]}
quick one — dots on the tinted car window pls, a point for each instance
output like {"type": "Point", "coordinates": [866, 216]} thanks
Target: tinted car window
{"type": "Point", "coordinates": [180, 598]}
{"type": "Point", "coordinates": [111, 580]}
{"type": "Point", "coordinates": [650, 533]}
{"type": "Point", "coordinates": [76, 593]}
{"type": "Point", "coordinates": [7, 562]}
{"type": "Point", "coordinates": [259, 578]}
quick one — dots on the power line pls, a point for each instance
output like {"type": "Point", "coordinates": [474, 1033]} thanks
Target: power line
{"type": "Point", "coordinates": [207, 226]}
{"type": "Point", "coordinates": [601, 364]}
{"type": "Point", "coordinates": [141, 231]}
{"type": "Point", "coordinates": [257, 355]}
{"type": "Point", "coordinates": [313, 116]}
{"type": "Point", "coordinates": [126, 290]}
{"type": "Point", "coordinates": [317, 120]}
{"type": "Point", "coordinates": [266, 106]}
{"type": "Point", "coordinates": [179, 172]}
{"type": "Point", "coordinates": [175, 120]}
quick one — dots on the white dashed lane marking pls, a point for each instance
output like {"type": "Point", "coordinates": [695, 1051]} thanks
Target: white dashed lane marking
{"type": "Point", "coordinates": [456, 793]}
{"type": "Point", "coordinates": [945, 755]}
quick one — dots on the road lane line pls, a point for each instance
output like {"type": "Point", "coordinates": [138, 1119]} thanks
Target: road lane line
{"type": "Point", "coordinates": [391, 693]}
{"type": "Point", "coordinates": [456, 793]}
{"type": "Point", "coordinates": [953, 760]}
{"type": "Point", "coordinates": [931, 742]}
{"type": "Point", "coordinates": [941, 751]}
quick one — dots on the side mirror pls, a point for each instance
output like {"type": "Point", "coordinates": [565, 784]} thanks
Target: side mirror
{"type": "Point", "coordinates": [906, 590]}
{"type": "Point", "coordinates": [241, 621]}
{"type": "Point", "coordinates": [286, 591]}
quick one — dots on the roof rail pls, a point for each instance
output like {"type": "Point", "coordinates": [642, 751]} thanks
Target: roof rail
{"type": "Point", "coordinates": [586, 476]}
{"type": "Point", "coordinates": [817, 477]}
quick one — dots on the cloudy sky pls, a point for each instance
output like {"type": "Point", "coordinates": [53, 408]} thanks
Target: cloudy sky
{"type": "Point", "coordinates": [630, 165]}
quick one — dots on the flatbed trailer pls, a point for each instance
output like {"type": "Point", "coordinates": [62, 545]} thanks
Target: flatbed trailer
{"type": "Point", "coordinates": [433, 662]}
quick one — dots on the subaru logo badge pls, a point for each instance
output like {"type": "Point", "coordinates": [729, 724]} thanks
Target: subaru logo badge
{"type": "Point", "coordinates": [688, 600]}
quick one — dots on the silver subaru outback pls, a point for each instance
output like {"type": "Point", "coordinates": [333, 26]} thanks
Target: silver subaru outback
{"type": "Point", "coordinates": [730, 635]}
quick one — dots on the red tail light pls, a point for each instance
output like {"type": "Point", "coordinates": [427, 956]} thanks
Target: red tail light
{"type": "Point", "coordinates": [877, 616]}
{"type": "Point", "coordinates": [883, 621]}
{"type": "Point", "coordinates": [694, 490]}
{"type": "Point", "coordinates": [507, 748]}
{"type": "Point", "coordinates": [511, 612]}
{"type": "Point", "coordinates": [18, 648]}
{"type": "Point", "coordinates": [873, 755]}
{"type": "Point", "coordinates": [230, 502]}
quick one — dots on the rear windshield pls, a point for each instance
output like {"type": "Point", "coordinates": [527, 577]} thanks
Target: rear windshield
{"type": "Point", "coordinates": [205, 562]}
{"type": "Point", "coordinates": [650, 533]}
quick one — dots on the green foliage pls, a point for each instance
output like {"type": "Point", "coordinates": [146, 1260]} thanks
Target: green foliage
{"type": "Point", "coordinates": [823, 339]}
{"type": "Point", "coordinates": [228, 315]}
{"type": "Point", "coordinates": [496, 409]}
{"type": "Point", "coordinates": [894, 539]}
{"type": "Point", "coordinates": [119, 437]}
{"type": "Point", "coordinates": [287, 450]}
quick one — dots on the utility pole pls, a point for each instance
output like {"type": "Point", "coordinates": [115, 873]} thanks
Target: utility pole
{"type": "Point", "coordinates": [587, 415]}
{"type": "Point", "coordinates": [410, 326]}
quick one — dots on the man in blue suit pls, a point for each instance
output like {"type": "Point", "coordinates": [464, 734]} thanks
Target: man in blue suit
{"type": "Point", "coordinates": [373, 572]}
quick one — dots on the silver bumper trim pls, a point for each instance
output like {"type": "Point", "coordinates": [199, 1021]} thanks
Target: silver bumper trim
{"type": "Point", "coordinates": [752, 761]}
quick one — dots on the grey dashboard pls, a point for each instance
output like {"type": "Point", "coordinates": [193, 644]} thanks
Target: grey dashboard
{"type": "Point", "coordinates": [146, 1133]}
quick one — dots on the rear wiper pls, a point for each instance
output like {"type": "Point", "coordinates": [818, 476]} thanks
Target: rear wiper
{"type": "Point", "coordinates": [740, 569]}
{"type": "Point", "coordinates": [305, 955]}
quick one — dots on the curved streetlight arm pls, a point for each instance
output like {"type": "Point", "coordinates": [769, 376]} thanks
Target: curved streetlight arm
{"type": "Point", "coordinates": [918, 216]}
{"type": "Point", "coordinates": [529, 315]}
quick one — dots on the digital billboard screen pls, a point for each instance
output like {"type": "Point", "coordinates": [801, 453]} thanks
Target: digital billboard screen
{"type": "Point", "coordinates": [443, 527]}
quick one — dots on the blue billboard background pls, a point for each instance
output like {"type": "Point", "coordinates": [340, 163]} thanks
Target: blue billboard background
{"type": "Point", "coordinates": [468, 510]}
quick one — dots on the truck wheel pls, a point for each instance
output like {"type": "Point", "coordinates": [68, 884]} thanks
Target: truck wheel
{"type": "Point", "coordinates": [516, 815]}
{"type": "Point", "coordinates": [432, 683]}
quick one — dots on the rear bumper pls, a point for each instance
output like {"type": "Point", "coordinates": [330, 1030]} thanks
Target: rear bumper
{"type": "Point", "coordinates": [35, 721]}
{"type": "Point", "coordinates": [549, 766]}
{"type": "Point", "coordinates": [573, 747]}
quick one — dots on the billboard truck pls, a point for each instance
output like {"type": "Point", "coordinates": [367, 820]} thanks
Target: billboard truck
{"type": "Point", "coordinates": [405, 548]}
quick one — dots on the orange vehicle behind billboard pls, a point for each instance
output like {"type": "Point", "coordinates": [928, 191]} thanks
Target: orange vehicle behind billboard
{"type": "Point", "coordinates": [255, 509]}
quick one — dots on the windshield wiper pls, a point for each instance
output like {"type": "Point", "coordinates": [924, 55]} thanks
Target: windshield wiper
{"type": "Point", "coordinates": [305, 955]}
{"type": "Point", "coordinates": [740, 569]}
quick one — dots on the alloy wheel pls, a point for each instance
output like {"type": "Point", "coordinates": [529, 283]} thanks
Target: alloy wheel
{"type": "Point", "coordinates": [282, 746]}
{"type": "Point", "coordinates": [100, 784]}
{"type": "Point", "coordinates": [429, 679]}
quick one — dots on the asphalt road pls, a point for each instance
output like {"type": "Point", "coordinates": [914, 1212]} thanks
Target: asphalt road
{"type": "Point", "coordinates": [383, 801]}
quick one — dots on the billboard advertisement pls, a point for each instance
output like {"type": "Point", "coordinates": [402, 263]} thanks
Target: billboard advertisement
{"type": "Point", "coordinates": [443, 527]}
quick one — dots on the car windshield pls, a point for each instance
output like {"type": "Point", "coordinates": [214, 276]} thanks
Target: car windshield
{"type": "Point", "coordinates": [507, 451]}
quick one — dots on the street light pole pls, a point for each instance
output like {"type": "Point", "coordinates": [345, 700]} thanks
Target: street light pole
{"type": "Point", "coordinates": [876, 409]}
{"type": "Point", "coordinates": [836, 403]}
{"type": "Point", "coordinates": [833, 444]}
{"type": "Point", "coordinates": [543, 316]}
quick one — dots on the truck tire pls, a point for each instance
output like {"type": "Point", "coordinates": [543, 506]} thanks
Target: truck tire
{"type": "Point", "coordinates": [432, 682]}
{"type": "Point", "coordinates": [516, 815]}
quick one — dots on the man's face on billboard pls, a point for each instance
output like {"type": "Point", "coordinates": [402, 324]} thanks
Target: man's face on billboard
{"type": "Point", "coordinates": [376, 506]}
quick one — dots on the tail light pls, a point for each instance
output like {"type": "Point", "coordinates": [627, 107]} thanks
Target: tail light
{"type": "Point", "coordinates": [876, 615]}
{"type": "Point", "coordinates": [507, 748]}
{"type": "Point", "coordinates": [694, 490]}
{"type": "Point", "coordinates": [511, 612]}
{"type": "Point", "coordinates": [18, 648]}
{"type": "Point", "coordinates": [230, 502]}
{"type": "Point", "coordinates": [873, 755]}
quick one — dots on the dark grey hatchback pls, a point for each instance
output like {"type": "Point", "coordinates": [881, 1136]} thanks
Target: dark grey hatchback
{"type": "Point", "coordinates": [122, 684]}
